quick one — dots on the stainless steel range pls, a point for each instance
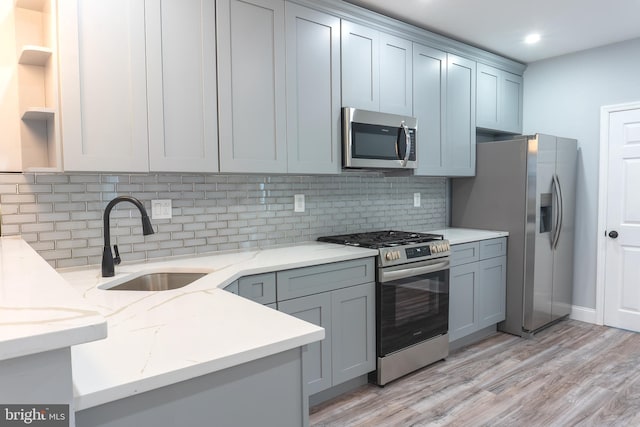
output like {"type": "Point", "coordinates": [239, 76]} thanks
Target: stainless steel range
{"type": "Point", "coordinates": [412, 299]}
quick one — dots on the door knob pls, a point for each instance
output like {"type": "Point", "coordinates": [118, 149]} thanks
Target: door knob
{"type": "Point", "coordinates": [613, 234]}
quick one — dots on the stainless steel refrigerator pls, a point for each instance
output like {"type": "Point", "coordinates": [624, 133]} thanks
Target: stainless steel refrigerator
{"type": "Point", "coordinates": [526, 186]}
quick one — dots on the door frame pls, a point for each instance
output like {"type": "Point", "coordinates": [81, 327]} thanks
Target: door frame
{"type": "Point", "coordinates": [603, 179]}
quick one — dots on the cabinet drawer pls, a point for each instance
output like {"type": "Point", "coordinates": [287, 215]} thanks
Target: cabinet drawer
{"type": "Point", "coordinates": [259, 288]}
{"type": "Point", "coordinates": [493, 248]}
{"type": "Point", "coordinates": [465, 253]}
{"type": "Point", "coordinates": [322, 278]}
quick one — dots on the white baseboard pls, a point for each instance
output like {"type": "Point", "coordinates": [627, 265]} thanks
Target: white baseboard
{"type": "Point", "coordinates": [583, 314]}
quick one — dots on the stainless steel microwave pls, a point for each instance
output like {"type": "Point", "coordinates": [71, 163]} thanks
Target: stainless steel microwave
{"type": "Point", "coordinates": [378, 140]}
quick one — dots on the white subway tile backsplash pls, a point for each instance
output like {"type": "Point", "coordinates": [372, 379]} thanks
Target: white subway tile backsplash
{"type": "Point", "coordinates": [61, 214]}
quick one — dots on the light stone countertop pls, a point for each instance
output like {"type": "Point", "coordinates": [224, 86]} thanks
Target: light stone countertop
{"type": "Point", "coordinates": [160, 338]}
{"type": "Point", "coordinates": [458, 236]}
{"type": "Point", "coordinates": [39, 311]}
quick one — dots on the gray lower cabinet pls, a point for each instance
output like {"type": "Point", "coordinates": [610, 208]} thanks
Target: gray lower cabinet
{"type": "Point", "coordinates": [340, 297]}
{"type": "Point", "coordinates": [260, 288]}
{"type": "Point", "coordinates": [353, 332]}
{"type": "Point", "coordinates": [316, 357]}
{"type": "Point", "coordinates": [477, 295]}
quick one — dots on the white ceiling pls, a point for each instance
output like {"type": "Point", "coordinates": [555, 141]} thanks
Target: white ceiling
{"type": "Point", "coordinates": [500, 26]}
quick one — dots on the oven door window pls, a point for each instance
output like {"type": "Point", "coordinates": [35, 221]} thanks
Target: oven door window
{"type": "Point", "coordinates": [412, 310]}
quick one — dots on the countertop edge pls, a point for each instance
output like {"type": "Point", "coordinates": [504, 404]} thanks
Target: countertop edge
{"type": "Point", "coordinates": [133, 388]}
{"type": "Point", "coordinates": [40, 311]}
{"type": "Point", "coordinates": [457, 236]}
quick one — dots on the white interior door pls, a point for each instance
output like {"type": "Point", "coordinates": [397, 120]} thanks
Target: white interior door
{"type": "Point", "coordinates": [622, 263]}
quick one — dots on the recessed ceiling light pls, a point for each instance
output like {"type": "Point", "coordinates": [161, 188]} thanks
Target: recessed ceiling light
{"type": "Point", "coordinates": [532, 38]}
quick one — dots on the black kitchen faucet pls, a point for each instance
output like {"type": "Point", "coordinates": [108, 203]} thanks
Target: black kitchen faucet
{"type": "Point", "coordinates": [108, 262]}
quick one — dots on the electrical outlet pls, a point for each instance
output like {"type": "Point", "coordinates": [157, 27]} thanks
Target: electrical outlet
{"type": "Point", "coordinates": [161, 209]}
{"type": "Point", "coordinates": [298, 203]}
{"type": "Point", "coordinates": [416, 200]}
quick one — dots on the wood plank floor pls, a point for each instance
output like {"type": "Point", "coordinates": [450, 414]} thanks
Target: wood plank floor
{"type": "Point", "coordinates": [570, 374]}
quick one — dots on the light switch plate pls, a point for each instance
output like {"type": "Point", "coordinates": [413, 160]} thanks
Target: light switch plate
{"type": "Point", "coordinates": [298, 203]}
{"type": "Point", "coordinates": [161, 209]}
{"type": "Point", "coordinates": [416, 200]}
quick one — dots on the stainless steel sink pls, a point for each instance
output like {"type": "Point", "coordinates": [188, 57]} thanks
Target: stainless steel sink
{"type": "Point", "coordinates": [160, 281]}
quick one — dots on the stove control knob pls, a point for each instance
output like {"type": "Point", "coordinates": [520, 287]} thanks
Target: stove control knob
{"type": "Point", "coordinates": [392, 255]}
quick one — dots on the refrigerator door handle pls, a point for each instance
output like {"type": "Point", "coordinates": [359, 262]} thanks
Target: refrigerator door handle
{"type": "Point", "coordinates": [561, 215]}
{"type": "Point", "coordinates": [556, 211]}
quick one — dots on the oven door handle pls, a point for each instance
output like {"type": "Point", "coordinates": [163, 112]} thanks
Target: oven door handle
{"type": "Point", "coordinates": [388, 276]}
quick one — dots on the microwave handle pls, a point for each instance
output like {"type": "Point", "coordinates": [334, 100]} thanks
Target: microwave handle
{"type": "Point", "coordinates": [407, 150]}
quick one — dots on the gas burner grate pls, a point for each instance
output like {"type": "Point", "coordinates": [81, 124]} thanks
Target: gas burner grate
{"type": "Point", "coordinates": [381, 239]}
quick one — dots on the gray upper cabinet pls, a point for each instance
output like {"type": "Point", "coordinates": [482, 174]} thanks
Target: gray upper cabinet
{"type": "Point", "coordinates": [460, 132]}
{"type": "Point", "coordinates": [360, 71]}
{"type": "Point", "coordinates": [499, 100]}
{"type": "Point", "coordinates": [251, 86]}
{"type": "Point", "coordinates": [395, 75]}
{"type": "Point", "coordinates": [313, 91]}
{"type": "Point", "coordinates": [444, 94]}
{"type": "Point", "coordinates": [103, 86]}
{"type": "Point", "coordinates": [376, 70]}
{"type": "Point", "coordinates": [429, 106]}
{"type": "Point", "coordinates": [181, 82]}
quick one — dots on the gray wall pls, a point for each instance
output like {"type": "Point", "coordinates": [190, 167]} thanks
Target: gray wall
{"type": "Point", "coordinates": [563, 96]}
{"type": "Point", "coordinates": [60, 215]}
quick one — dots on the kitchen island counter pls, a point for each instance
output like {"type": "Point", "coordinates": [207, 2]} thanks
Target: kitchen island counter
{"type": "Point", "coordinates": [164, 337]}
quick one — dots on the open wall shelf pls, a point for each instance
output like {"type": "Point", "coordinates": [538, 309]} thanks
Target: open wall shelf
{"type": "Point", "coordinates": [34, 55]}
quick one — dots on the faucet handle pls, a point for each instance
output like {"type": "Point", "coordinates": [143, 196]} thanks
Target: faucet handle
{"type": "Point", "coordinates": [116, 260]}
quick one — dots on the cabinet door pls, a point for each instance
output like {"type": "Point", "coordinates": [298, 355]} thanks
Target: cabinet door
{"type": "Point", "coordinates": [313, 91]}
{"type": "Point", "coordinates": [429, 89]}
{"type": "Point", "coordinates": [360, 67]}
{"type": "Point", "coordinates": [492, 291]}
{"type": "Point", "coordinates": [488, 97]}
{"type": "Point", "coordinates": [103, 85]}
{"type": "Point", "coordinates": [353, 332]}
{"type": "Point", "coordinates": [232, 287]}
{"type": "Point", "coordinates": [499, 100]}
{"type": "Point", "coordinates": [512, 103]}
{"type": "Point", "coordinates": [395, 75]}
{"type": "Point", "coordinates": [251, 86]}
{"type": "Point", "coordinates": [463, 294]}
{"type": "Point", "coordinates": [181, 78]}
{"type": "Point", "coordinates": [460, 158]}
{"type": "Point", "coordinates": [260, 288]}
{"type": "Point", "coordinates": [316, 357]}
